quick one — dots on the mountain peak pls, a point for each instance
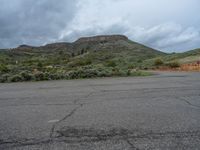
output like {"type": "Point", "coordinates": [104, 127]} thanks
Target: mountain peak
{"type": "Point", "coordinates": [101, 38]}
{"type": "Point", "coordinates": [25, 46]}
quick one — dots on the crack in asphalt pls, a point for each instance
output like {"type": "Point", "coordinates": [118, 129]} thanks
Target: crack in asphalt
{"type": "Point", "coordinates": [188, 102]}
{"type": "Point", "coordinates": [26, 142]}
{"type": "Point", "coordinates": [131, 144]}
{"type": "Point", "coordinates": [95, 135]}
{"type": "Point", "coordinates": [66, 117]}
{"type": "Point", "coordinates": [70, 114]}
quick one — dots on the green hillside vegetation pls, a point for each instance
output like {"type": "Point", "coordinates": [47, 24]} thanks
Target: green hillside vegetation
{"type": "Point", "coordinates": [174, 59]}
{"type": "Point", "coordinates": [101, 56]}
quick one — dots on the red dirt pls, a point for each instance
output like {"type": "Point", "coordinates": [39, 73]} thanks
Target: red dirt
{"type": "Point", "coordinates": [183, 67]}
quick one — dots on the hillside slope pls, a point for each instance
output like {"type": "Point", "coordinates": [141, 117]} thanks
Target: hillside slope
{"type": "Point", "coordinates": [186, 61]}
{"type": "Point", "coordinates": [190, 56]}
{"type": "Point", "coordinates": [97, 56]}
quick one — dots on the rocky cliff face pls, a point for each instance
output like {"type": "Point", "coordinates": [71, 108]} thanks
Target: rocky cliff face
{"type": "Point", "coordinates": [102, 38]}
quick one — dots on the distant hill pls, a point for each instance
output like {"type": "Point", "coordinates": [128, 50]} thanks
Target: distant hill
{"type": "Point", "coordinates": [185, 57]}
{"type": "Point", "coordinates": [191, 57]}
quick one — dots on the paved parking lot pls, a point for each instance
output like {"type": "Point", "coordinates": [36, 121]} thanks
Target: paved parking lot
{"type": "Point", "coordinates": [156, 112]}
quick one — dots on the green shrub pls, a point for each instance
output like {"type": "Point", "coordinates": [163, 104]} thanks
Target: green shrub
{"type": "Point", "coordinates": [117, 72]}
{"type": "Point", "coordinates": [27, 76]}
{"type": "Point", "coordinates": [39, 76]}
{"type": "Point", "coordinates": [80, 62]}
{"type": "Point", "coordinates": [16, 78]}
{"type": "Point", "coordinates": [57, 76]}
{"type": "Point", "coordinates": [128, 72]}
{"type": "Point", "coordinates": [40, 65]}
{"type": "Point", "coordinates": [110, 63]}
{"type": "Point", "coordinates": [88, 72]}
{"type": "Point", "coordinates": [139, 61]}
{"type": "Point", "coordinates": [158, 62]}
{"type": "Point", "coordinates": [131, 66]}
{"type": "Point", "coordinates": [72, 55]}
{"type": "Point", "coordinates": [3, 68]}
{"type": "Point", "coordinates": [174, 64]}
{"type": "Point", "coordinates": [105, 73]}
{"type": "Point", "coordinates": [4, 78]}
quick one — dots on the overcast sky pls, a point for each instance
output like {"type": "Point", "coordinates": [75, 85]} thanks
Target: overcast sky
{"type": "Point", "coordinates": [168, 25]}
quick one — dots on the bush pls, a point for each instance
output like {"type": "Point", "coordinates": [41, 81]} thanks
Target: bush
{"type": "Point", "coordinates": [16, 78]}
{"type": "Point", "coordinates": [158, 62]}
{"type": "Point", "coordinates": [57, 76]}
{"type": "Point", "coordinates": [40, 76]}
{"type": "Point", "coordinates": [4, 78]}
{"type": "Point", "coordinates": [139, 61]}
{"type": "Point", "coordinates": [128, 72]}
{"type": "Point", "coordinates": [80, 62]}
{"type": "Point", "coordinates": [88, 72]}
{"type": "Point", "coordinates": [3, 68]}
{"type": "Point", "coordinates": [115, 71]}
{"type": "Point", "coordinates": [27, 76]}
{"type": "Point", "coordinates": [110, 63]}
{"type": "Point", "coordinates": [174, 64]}
{"type": "Point", "coordinates": [40, 65]}
{"type": "Point", "coordinates": [131, 66]}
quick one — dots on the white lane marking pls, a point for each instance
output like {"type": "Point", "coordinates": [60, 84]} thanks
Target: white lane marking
{"type": "Point", "coordinates": [52, 121]}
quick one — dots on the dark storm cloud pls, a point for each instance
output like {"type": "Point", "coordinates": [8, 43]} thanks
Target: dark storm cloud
{"type": "Point", "coordinates": [33, 21]}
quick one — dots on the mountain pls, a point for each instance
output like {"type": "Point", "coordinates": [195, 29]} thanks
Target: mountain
{"type": "Point", "coordinates": [91, 44]}
{"type": "Point", "coordinates": [98, 56]}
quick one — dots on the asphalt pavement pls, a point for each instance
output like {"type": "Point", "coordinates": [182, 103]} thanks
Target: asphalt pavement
{"type": "Point", "coordinates": [128, 113]}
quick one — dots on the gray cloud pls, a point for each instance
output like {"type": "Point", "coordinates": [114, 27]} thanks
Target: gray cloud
{"type": "Point", "coordinates": [169, 37]}
{"type": "Point", "coordinates": [166, 26]}
{"type": "Point", "coordinates": [33, 21]}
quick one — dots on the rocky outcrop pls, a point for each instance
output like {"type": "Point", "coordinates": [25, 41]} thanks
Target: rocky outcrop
{"type": "Point", "coordinates": [57, 45]}
{"type": "Point", "coordinates": [102, 38]}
